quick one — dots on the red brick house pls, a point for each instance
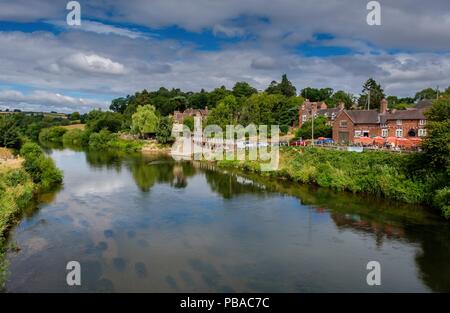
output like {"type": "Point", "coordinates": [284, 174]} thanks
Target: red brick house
{"type": "Point", "coordinates": [318, 109]}
{"type": "Point", "coordinates": [178, 117]}
{"type": "Point", "coordinates": [351, 124]}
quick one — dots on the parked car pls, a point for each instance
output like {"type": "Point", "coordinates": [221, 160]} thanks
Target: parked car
{"type": "Point", "coordinates": [299, 143]}
{"type": "Point", "coordinates": [325, 141]}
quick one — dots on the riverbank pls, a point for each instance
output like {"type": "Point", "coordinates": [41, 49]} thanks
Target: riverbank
{"type": "Point", "coordinates": [376, 173]}
{"type": "Point", "coordinates": [20, 181]}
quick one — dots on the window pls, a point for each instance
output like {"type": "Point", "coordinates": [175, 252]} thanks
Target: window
{"type": "Point", "coordinates": [383, 125]}
{"type": "Point", "coordinates": [343, 124]}
{"type": "Point", "coordinates": [422, 132]}
{"type": "Point", "coordinates": [333, 116]}
{"type": "Point", "coordinates": [399, 133]}
{"type": "Point", "coordinates": [365, 133]}
{"type": "Point", "coordinates": [304, 118]}
{"type": "Point", "coordinates": [422, 122]}
{"type": "Point", "coordinates": [357, 133]}
{"type": "Point", "coordinates": [399, 122]}
{"type": "Point", "coordinates": [384, 132]}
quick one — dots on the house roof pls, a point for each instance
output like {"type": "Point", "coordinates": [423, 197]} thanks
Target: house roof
{"type": "Point", "coordinates": [329, 112]}
{"type": "Point", "coordinates": [412, 114]}
{"type": "Point", "coordinates": [363, 116]}
{"type": "Point", "coordinates": [422, 104]}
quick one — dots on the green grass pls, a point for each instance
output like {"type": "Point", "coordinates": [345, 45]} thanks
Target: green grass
{"type": "Point", "coordinates": [377, 173]}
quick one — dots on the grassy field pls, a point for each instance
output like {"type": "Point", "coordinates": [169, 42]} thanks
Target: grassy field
{"type": "Point", "coordinates": [74, 126]}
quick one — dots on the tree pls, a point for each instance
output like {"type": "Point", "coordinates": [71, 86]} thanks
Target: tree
{"type": "Point", "coordinates": [164, 130]}
{"type": "Point", "coordinates": [97, 120]}
{"type": "Point", "coordinates": [189, 122]}
{"type": "Point", "coordinates": [321, 129]}
{"type": "Point", "coordinates": [221, 115]}
{"type": "Point", "coordinates": [119, 105]}
{"type": "Point", "coordinates": [243, 89]}
{"type": "Point", "coordinates": [284, 88]}
{"type": "Point", "coordinates": [144, 121]}
{"type": "Point", "coordinates": [437, 144]}
{"type": "Point", "coordinates": [428, 93]}
{"type": "Point", "coordinates": [376, 94]}
{"type": "Point", "coordinates": [75, 116]}
{"type": "Point", "coordinates": [317, 95]}
{"type": "Point", "coordinates": [216, 95]}
{"type": "Point", "coordinates": [341, 96]}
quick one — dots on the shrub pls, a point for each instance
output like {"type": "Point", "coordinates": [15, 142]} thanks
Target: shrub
{"type": "Point", "coordinates": [73, 137]}
{"type": "Point", "coordinates": [41, 168]}
{"type": "Point", "coordinates": [442, 201]}
{"type": "Point", "coordinates": [100, 140]}
{"type": "Point", "coordinates": [52, 134]}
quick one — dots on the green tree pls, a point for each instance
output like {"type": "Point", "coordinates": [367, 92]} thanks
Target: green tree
{"type": "Point", "coordinates": [284, 88]}
{"type": "Point", "coordinates": [437, 143]}
{"type": "Point", "coordinates": [321, 129]}
{"type": "Point", "coordinates": [189, 122]}
{"type": "Point", "coordinates": [317, 95]}
{"type": "Point", "coordinates": [243, 89]}
{"type": "Point", "coordinates": [145, 121]}
{"type": "Point", "coordinates": [75, 116]}
{"type": "Point", "coordinates": [376, 94]}
{"type": "Point", "coordinates": [164, 130]}
{"type": "Point", "coordinates": [119, 105]}
{"type": "Point", "coordinates": [427, 93]}
{"type": "Point", "coordinates": [97, 120]}
{"type": "Point", "coordinates": [221, 115]}
{"type": "Point", "coordinates": [341, 96]}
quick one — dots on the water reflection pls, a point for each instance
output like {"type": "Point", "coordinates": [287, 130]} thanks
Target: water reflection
{"type": "Point", "coordinates": [149, 223]}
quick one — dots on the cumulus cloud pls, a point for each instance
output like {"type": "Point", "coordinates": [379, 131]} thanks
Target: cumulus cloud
{"type": "Point", "coordinates": [104, 60]}
{"type": "Point", "coordinates": [47, 101]}
{"type": "Point", "coordinates": [93, 63]}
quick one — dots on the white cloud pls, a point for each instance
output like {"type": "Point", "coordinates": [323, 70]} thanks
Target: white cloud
{"type": "Point", "coordinates": [101, 28]}
{"type": "Point", "coordinates": [49, 100]}
{"type": "Point", "coordinates": [93, 63]}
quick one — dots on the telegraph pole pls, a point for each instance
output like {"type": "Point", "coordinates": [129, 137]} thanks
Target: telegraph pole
{"type": "Point", "coordinates": [368, 101]}
{"type": "Point", "coordinates": [312, 126]}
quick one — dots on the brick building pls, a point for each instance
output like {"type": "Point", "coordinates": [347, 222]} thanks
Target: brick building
{"type": "Point", "coordinates": [318, 109]}
{"type": "Point", "coordinates": [351, 124]}
{"type": "Point", "coordinates": [178, 117]}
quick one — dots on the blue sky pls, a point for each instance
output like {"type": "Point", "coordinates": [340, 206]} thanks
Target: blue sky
{"type": "Point", "coordinates": [125, 46]}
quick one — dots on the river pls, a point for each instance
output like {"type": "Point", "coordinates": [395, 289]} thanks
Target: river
{"type": "Point", "coordinates": [139, 223]}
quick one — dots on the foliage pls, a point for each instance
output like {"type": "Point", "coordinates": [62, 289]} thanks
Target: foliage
{"type": "Point", "coordinates": [427, 93]}
{"type": "Point", "coordinates": [164, 130]}
{"type": "Point", "coordinates": [442, 201]}
{"type": "Point", "coordinates": [73, 137]}
{"type": "Point", "coordinates": [340, 96]}
{"type": "Point", "coordinates": [285, 87]}
{"type": "Point", "coordinates": [52, 134]}
{"type": "Point", "coordinates": [376, 94]}
{"type": "Point", "coordinates": [317, 95]}
{"type": "Point", "coordinates": [145, 121]}
{"type": "Point", "coordinates": [243, 89]}
{"type": "Point", "coordinates": [97, 120]}
{"type": "Point", "coordinates": [41, 168]}
{"type": "Point", "coordinates": [189, 122]}
{"type": "Point", "coordinates": [437, 143]}
{"type": "Point", "coordinates": [321, 129]}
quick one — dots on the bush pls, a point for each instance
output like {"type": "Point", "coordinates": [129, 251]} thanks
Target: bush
{"type": "Point", "coordinates": [74, 137]}
{"type": "Point", "coordinates": [52, 134]}
{"type": "Point", "coordinates": [101, 140]}
{"type": "Point", "coordinates": [442, 201]}
{"type": "Point", "coordinates": [41, 168]}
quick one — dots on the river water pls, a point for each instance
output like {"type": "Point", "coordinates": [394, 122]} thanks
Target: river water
{"type": "Point", "coordinates": [140, 223]}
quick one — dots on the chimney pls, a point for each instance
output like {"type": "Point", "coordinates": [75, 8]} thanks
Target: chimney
{"type": "Point", "coordinates": [383, 106]}
{"type": "Point", "coordinates": [341, 106]}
